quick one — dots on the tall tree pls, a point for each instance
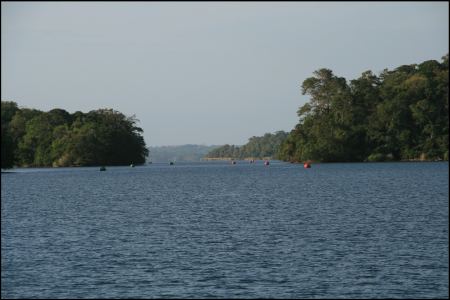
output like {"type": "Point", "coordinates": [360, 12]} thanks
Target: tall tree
{"type": "Point", "coordinates": [401, 114]}
{"type": "Point", "coordinates": [8, 110]}
{"type": "Point", "coordinates": [58, 138]}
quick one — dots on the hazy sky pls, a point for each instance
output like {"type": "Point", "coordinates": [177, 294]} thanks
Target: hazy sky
{"type": "Point", "coordinates": [204, 72]}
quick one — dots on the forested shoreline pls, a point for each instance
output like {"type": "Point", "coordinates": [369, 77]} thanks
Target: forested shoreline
{"type": "Point", "coordinates": [33, 138]}
{"type": "Point", "coordinates": [180, 153]}
{"type": "Point", "coordinates": [398, 115]}
{"type": "Point", "coordinates": [257, 147]}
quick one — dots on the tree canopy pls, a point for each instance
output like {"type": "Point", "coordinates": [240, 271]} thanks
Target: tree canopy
{"type": "Point", "coordinates": [265, 146]}
{"type": "Point", "coordinates": [399, 115]}
{"type": "Point", "coordinates": [57, 138]}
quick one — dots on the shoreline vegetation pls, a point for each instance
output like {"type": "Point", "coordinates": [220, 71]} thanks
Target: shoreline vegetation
{"type": "Point", "coordinates": [33, 138]}
{"type": "Point", "coordinates": [179, 153]}
{"type": "Point", "coordinates": [233, 158]}
{"type": "Point", "coordinates": [399, 115]}
{"type": "Point", "coordinates": [262, 147]}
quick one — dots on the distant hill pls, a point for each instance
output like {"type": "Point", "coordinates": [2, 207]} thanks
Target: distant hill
{"type": "Point", "coordinates": [179, 153]}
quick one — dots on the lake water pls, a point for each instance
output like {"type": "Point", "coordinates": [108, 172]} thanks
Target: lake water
{"type": "Point", "coordinates": [216, 230]}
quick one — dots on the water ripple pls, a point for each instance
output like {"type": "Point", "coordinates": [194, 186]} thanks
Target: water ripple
{"type": "Point", "coordinates": [222, 231]}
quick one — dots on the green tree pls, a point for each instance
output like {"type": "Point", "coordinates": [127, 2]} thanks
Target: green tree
{"type": "Point", "coordinates": [8, 110]}
{"type": "Point", "coordinates": [7, 148]}
{"type": "Point", "coordinates": [401, 114]}
{"type": "Point", "coordinates": [256, 147]}
{"type": "Point", "coordinates": [58, 138]}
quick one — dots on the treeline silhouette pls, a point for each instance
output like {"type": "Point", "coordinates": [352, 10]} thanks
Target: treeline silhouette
{"type": "Point", "coordinates": [398, 115]}
{"type": "Point", "coordinates": [33, 138]}
{"type": "Point", "coordinates": [257, 147]}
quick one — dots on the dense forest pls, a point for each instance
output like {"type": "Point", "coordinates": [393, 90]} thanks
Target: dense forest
{"type": "Point", "coordinates": [33, 138]}
{"type": "Point", "coordinates": [398, 115]}
{"type": "Point", "coordinates": [265, 146]}
{"type": "Point", "coordinates": [179, 153]}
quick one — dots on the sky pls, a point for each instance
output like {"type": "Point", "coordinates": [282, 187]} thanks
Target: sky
{"type": "Point", "coordinates": [208, 73]}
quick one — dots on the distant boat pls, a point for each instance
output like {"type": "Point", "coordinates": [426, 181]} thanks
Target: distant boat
{"type": "Point", "coordinates": [233, 162]}
{"type": "Point", "coordinates": [266, 163]}
{"type": "Point", "coordinates": [132, 165]}
{"type": "Point", "coordinates": [102, 168]}
{"type": "Point", "coordinates": [171, 163]}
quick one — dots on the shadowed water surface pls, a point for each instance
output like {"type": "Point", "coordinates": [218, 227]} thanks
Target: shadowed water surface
{"type": "Point", "coordinates": [215, 230]}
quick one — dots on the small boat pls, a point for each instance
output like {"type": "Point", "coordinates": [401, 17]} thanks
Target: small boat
{"type": "Point", "coordinates": [233, 162]}
{"type": "Point", "coordinates": [132, 165]}
{"type": "Point", "coordinates": [102, 168]}
{"type": "Point", "coordinates": [306, 165]}
{"type": "Point", "coordinates": [171, 163]}
{"type": "Point", "coordinates": [266, 163]}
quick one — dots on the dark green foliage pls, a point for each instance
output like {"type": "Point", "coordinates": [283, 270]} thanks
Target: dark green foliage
{"type": "Point", "coordinates": [8, 110]}
{"type": "Point", "coordinates": [400, 115]}
{"type": "Point", "coordinates": [257, 148]}
{"type": "Point", "coordinates": [58, 138]}
{"type": "Point", "coordinates": [7, 148]}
